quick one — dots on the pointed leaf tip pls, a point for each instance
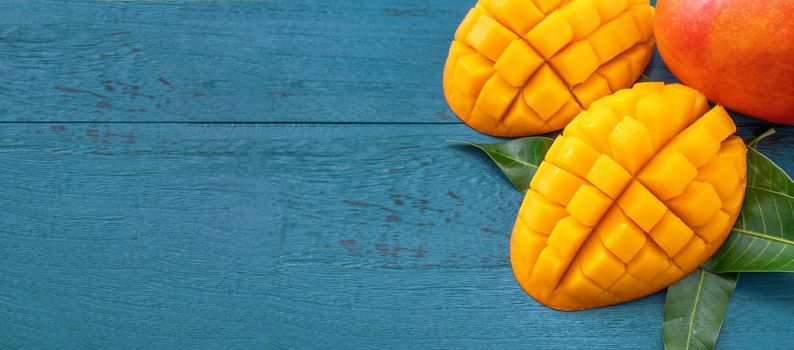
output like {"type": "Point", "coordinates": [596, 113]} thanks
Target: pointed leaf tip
{"type": "Point", "coordinates": [518, 159]}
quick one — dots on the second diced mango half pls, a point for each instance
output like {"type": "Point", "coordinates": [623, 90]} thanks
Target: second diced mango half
{"type": "Point", "coordinates": [627, 200]}
{"type": "Point", "coordinates": [527, 67]}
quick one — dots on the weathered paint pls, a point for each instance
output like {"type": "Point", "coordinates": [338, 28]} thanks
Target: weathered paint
{"type": "Point", "coordinates": [268, 234]}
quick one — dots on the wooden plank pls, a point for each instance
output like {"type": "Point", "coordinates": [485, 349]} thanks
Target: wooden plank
{"type": "Point", "coordinates": [293, 60]}
{"type": "Point", "coordinates": [279, 236]}
{"type": "Point", "coordinates": [243, 61]}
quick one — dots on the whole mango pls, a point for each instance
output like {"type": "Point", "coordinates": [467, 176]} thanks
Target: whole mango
{"type": "Point", "coordinates": [526, 67]}
{"type": "Point", "coordinates": [636, 193]}
{"type": "Point", "coordinates": [740, 53]}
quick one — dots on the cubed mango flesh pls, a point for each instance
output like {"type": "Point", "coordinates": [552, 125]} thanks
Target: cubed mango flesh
{"type": "Point", "coordinates": [562, 55]}
{"type": "Point", "coordinates": [628, 211]}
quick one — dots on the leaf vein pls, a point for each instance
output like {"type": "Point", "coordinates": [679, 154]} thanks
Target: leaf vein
{"type": "Point", "coordinates": [694, 309]}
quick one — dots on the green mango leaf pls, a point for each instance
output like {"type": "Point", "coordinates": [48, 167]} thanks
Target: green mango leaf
{"type": "Point", "coordinates": [518, 159]}
{"type": "Point", "coordinates": [695, 309]}
{"type": "Point", "coordinates": [763, 238]}
{"type": "Point", "coordinates": [643, 79]}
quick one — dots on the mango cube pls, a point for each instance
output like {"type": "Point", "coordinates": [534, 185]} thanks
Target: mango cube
{"type": "Point", "coordinates": [733, 204]}
{"type": "Point", "coordinates": [468, 22]}
{"type": "Point", "coordinates": [627, 285]}
{"type": "Point", "coordinates": [667, 175]}
{"type": "Point", "coordinates": [591, 90]}
{"type": "Point", "coordinates": [550, 35]}
{"type": "Point", "coordinates": [471, 74]}
{"type": "Point", "coordinates": [631, 145]}
{"type": "Point", "coordinates": [643, 16]}
{"type": "Point", "coordinates": [462, 102]}
{"type": "Point", "coordinates": [583, 17]}
{"type": "Point", "coordinates": [518, 63]}
{"type": "Point", "coordinates": [641, 206]}
{"type": "Point", "coordinates": [622, 102]}
{"type": "Point", "coordinates": [692, 255]}
{"type": "Point", "coordinates": [644, 89]}
{"type": "Point", "coordinates": [683, 100]}
{"type": "Point", "coordinates": [712, 232]}
{"type": "Point", "coordinates": [572, 154]}
{"type": "Point", "coordinates": [521, 119]}
{"type": "Point", "coordinates": [555, 183]}
{"type": "Point", "coordinates": [649, 262]}
{"type": "Point", "coordinates": [629, 34]}
{"type": "Point", "coordinates": [604, 43]}
{"type": "Point", "coordinates": [608, 176]}
{"type": "Point", "coordinates": [456, 51]}
{"type": "Point", "coordinates": [621, 236]}
{"type": "Point", "coordinates": [564, 116]}
{"type": "Point", "coordinates": [540, 214]}
{"type": "Point", "coordinates": [489, 37]}
{"type": "Point", "coordinates": [497, 97]}
{"type": "Point", "coordinates": [593, 127]}
{"type": "Point", "coordinates": [608, 9]}
{"type": "Point", "coordinates": [547, 5]}
{"type": "Point", "coordinates": [588, 205]}
{"type": "Point", "coordinates": [525, 247]}
{"type": "Point", "coordinates": [600, 264]}
{"type": "Point", "coordinates": [617, 73]}
{"type": "Point", "coordinates": [671, 234]}
{"type": "Point", "coordinates": [575, 63]}
{"type": "Point", "coordinates": [578, 284]}
{"type": "Point", "coordinates": [545, 92]}
{"type": "Point", "coordinates": [734, 151]}
{"type": "Point", "coordinates": [568, 236]}
{"type": "Point", "coordinates": [518, 15]}
{"type": "Point", "coordinates": [548, 270]}
{"type": "Point", "coordinates": [697, 204]}
{"type": "Point", "coordinates": [722, 174]}
{"type": "Point", "coordinates": [652, 111]}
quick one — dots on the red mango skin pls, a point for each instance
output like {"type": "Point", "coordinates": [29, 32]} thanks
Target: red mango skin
{"type": "Point", "coordinates": [740, 53]}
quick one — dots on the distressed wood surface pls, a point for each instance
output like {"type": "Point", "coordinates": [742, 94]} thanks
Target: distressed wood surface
{"type": "Point", "coordinates": [261, 175]}
{"type": "Point", "coordinates": [244, 236]}
{"type": "Point", "coordinates": [237, 61]}
{"type": "Point", "coordinates": [286, 60]}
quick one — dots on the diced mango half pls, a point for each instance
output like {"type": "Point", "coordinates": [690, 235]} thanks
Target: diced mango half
{"type": "Point", "coordinates": [562, 55]}
{"type": "Point", "coordinates": [637, 192]}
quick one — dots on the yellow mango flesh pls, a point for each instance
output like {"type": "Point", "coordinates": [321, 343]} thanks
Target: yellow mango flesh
{"type": "Point", "coordinates": [527, 67]}
{"type": "Point", "coordinates": [629, 200]}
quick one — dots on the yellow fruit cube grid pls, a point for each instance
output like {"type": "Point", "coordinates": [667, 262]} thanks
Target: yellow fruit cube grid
{"type": "Point", "coordinates": [560, 55]}
{"type": "Point", "coordinates": [624, 214]}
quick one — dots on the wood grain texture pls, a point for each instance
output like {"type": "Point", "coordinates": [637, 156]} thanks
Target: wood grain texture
{"type": "Point", "coordinates": [239, 61]}
{"type": "Point", "coordinates": [278, 236]}
{"type": "Point", "coordinates": [283, 60]}
{"type": "Point", "coordinates": [137, 234]}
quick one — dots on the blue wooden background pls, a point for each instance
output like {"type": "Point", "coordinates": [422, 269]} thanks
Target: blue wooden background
{"type": "Point", "coordinates": [274, 174]}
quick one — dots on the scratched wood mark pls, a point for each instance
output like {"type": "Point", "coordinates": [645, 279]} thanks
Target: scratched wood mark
{"type": "Point", "coordinates": [191, 236]}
